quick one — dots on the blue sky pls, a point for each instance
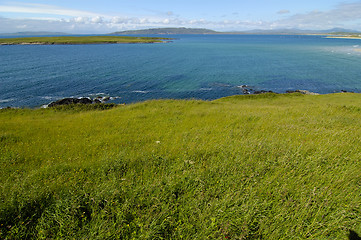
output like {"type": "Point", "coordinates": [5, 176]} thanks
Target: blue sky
{"type": "Point", "coordinates": [90, 16]}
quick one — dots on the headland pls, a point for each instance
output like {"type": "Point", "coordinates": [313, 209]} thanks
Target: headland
{"type": "Point", "coordinates": [70, 40]}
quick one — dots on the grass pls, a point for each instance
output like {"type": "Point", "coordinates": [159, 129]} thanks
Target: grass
{"type": "Point", "coordinates": [270, 166]}
{"type": "Point", "coordinates": [80, 40]}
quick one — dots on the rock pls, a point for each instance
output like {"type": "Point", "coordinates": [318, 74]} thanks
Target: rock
{"type": "Point", "coordinates": [245, 89]}
{"type": "Point", "coordinates": [345, 91]}
{"type": "Point", "coordinates": [261, 91]}
{"type": "Point", "coordinates": [67, 101]}
{"type": "Point", "coordinates": [306, 92]}
{"type": "Point", "coordinates": [83, 100]}
{"type": "Point", "coordinates": [101, 99]}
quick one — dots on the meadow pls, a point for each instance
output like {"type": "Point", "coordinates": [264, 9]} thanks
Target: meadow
{"type": "Point", "coordinates": [268, 166]}
{"type": "Point", "coordinates": [63, 40]}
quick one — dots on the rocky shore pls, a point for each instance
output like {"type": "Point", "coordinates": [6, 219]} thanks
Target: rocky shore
{"type": "Point", "coordinates": [81, 100]}
{"type": "Point", "coordinates": [245, 89]}
{"type": "Point", "coordinates": [250, 90]}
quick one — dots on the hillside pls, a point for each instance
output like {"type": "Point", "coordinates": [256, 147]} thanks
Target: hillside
{"type": "Point", "coordinates": [167, 31]}
{"type": "Point", "coordinates": [268, 166]}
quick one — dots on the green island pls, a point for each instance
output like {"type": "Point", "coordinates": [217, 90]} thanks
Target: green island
{"type": "Point", "coordinates": [345, 36]}
{"type": "Point", "coordinates": [63, 40]}
{"type": "Point", "coordinates": [268, 166]}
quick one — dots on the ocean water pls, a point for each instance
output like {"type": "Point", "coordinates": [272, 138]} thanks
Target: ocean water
{"type": "Point", "coordinates": [192, 66]}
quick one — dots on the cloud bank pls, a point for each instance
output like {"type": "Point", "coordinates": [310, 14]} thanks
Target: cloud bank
{"type": "Point", "coordinates": [53, 18]}
{"type": "Point", "coordinates": [31, 8]}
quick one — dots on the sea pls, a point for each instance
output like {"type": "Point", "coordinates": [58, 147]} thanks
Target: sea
{"type": "Point", "coordinates": [189, 67]}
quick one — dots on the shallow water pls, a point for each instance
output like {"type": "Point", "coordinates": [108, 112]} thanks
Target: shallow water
{"type": "Point", "coordinates": [193, 66]}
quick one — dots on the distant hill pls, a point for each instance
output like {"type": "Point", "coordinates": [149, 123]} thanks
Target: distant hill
{"type": "Point", "coordinates": [182, 30]}
{"type": "Point", "coordinates": [168, 31]}
{"type": "Point", "coordinates": [34, 34]}
{"type": "Point", "coordinates": [255, 31]}
{"type": "Point", "coordinates": [295, 31]}
{"type": "Point", "coordinates": [341, 30]}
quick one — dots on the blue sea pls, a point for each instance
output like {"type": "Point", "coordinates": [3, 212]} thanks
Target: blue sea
{"type": "Point", "coordinates": [191, 66]}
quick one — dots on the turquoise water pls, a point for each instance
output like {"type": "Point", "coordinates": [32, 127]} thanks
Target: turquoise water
{"type": "Point", "coordinates": [192, 66]}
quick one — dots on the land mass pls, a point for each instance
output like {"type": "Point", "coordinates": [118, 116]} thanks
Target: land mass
{"type": "Point", "coordinates": [346, 36]}
{"type": "Point", "coordinates": [267, 166]}
{"type": "Point", "coordinates": [168, 31]}
{"type": "Point", "coordinates": [64, 40]}
{"type": "Point", "coordinates": [255, 31]}
{"type": "Point", "coordinates": [23, 34]}
{"type": "Point", "coordinates": [183, 30]}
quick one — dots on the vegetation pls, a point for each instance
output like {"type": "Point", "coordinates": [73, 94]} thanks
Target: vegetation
{"type": "Point", "coordinates": [79, 40]}
{"type": "Point", "coordinates": [349, 35]}
{"type": "Point", "coordinates": [269, 166]}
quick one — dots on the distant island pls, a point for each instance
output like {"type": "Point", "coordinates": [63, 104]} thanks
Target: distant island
{"type": "Point", "coordinates": [30, 33]}
{"type": "Point", "coordinates": [168, 31]}
{"type": "Point", "coordinates": [64, 40]}
{"type": "Point", "coordinates": [182, 30]}
{"type": "Point", "coordinates": [345, 36]}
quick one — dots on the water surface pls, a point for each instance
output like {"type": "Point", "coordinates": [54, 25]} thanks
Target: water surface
{"type": "Point", "coordinates": [193, 66]}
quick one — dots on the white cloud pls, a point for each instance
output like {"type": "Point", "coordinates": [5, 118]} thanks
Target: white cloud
{"type": "Point", "coordinates": [80, 20]}
{"type": "Point", "coordinates": [341, 16]}
{"type": "Point", "coordinates": [97, 19]}
{"type": "Point", "coordinates": [74, 21]}
{"type": "Point", "coordinates": [44, 9]}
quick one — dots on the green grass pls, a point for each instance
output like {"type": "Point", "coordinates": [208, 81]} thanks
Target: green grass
{"type": "Point", "coordinates": [264, 166]}
{"type": "Point", "coordinates": [80, 40]}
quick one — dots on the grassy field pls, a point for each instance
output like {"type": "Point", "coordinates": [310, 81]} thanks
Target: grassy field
{"type": "Point", "coordinates": [79, 40]}
{"type": "Point", "coordinates": [269, 166]}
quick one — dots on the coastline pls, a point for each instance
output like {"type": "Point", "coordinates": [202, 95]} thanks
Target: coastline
{"type": "Point", "coordinates": [83, 101]}
{"type": "Point", "coordinates": [344, 37]}
{"type": "Point", "coordinates": [82, 40]}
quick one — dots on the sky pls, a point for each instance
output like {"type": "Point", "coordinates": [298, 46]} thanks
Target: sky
{"type": "Point", "coordinates": [106, 16]}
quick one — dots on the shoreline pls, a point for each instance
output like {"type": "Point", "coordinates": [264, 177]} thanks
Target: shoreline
{"type": "Point", "coordinates": [89, 40]}
{"type": "Point", "coordinates": [104, 100]}
{"type": "Point", "coordinates": [344, 37]}
{"type": "Point", "coordinates": [48, 44]}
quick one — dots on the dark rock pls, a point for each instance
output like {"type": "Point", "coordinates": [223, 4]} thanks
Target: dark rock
{"type": "Point", "coordinates": [306, 92]}
{"type": "Point", "coordinates": [245, 91]}
{"type": "Point", "coordinates": [105, 99]}
{"type": "Point", "coordinates": [262, 91]}
{"type": "Point", "coordinates": [67, 101]}
{"type": "Point", "coordinates": [101, 99]}
{"type": "Point", "coordinates": [84, 101]}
